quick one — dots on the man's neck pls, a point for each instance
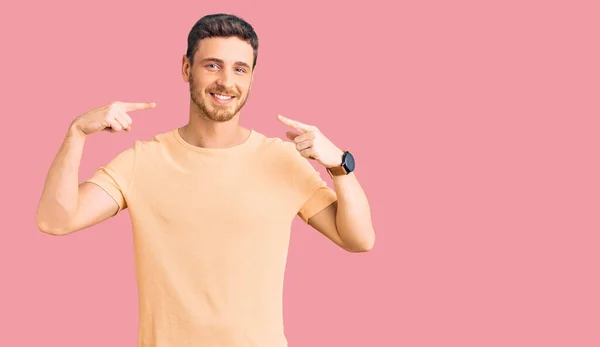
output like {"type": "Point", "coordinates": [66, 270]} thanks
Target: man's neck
{"type": "Point", "coordinates": [206, 133]}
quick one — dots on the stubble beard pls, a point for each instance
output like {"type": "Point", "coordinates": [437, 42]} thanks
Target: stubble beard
{"type": "Point", "coordinates": [215, 112]}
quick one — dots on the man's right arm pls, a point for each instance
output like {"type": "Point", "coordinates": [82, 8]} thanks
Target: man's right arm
{"type": "Point", "coordinates": [66, 205]}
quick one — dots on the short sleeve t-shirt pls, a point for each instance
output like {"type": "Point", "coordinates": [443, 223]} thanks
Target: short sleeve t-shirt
{"type": "Point", "coordinates": [211, 231]}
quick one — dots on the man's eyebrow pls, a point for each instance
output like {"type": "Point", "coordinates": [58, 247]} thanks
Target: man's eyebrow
{"type": "Point", "coordinates": [241, 63]}
{"type": "Point", "coordinates": [220, 61]}
{"type": "Point", "coordinates": [212, 59]}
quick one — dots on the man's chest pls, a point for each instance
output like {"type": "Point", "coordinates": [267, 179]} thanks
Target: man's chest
{"type": "Point", "coordinates": [237, 194]}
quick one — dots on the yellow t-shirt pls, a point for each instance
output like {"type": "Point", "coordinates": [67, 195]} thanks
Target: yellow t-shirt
{"type": "Point", "coordinates": [211, 230]}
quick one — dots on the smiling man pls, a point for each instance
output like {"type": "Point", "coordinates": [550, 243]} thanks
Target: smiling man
{"type": "Point", "coordinates": [212, 202]}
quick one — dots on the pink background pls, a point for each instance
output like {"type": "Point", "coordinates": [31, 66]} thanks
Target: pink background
{"type": "Point", "coordinates": [475, 128]}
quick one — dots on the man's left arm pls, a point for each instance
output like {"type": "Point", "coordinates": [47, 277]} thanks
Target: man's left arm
{"type": "Point", "coordinates": [346, 222]}
{"type": "Point", "coordinates": [348, 219]}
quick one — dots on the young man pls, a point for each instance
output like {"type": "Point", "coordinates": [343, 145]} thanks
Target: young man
{"type": "Point", "coordinates": [212, 202]}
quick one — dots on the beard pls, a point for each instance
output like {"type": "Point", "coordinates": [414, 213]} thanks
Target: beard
{"type": "Point", "coordinates": [213, 111]}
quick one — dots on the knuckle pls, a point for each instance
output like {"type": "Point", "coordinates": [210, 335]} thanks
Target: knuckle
{"type": "Point", "coordinates": [115, 105]}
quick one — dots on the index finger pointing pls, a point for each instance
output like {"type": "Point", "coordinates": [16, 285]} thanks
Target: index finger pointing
{"type": "Point", "coordinates": [294, 124]}
{"type": "Point", "coordinates": [133, 106]}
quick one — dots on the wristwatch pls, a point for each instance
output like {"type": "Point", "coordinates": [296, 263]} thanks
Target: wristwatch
{"type": "Point", "coordinates": [345, 168]}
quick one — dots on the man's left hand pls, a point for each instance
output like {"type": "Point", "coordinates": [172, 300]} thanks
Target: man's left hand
{"type": "Point", "coordinates": [312, 144]}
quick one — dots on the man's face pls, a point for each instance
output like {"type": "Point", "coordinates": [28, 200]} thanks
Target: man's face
{"type": "Point", "coordinates": [220, 77]}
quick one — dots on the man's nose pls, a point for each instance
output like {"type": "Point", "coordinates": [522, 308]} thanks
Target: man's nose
{"type": "Point", "coordinates": [226, 79]}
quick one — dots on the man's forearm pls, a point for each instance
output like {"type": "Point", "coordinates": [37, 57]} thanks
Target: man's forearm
{"type": "Point", "coordinates": [353, 216]}
{"type": "Point", "coordinates": [60, 195]}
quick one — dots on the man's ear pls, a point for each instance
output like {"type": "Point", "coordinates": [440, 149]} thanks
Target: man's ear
{"type": "Point", "coordinates": [252, 75]}
{"type": "Point", "coordinates": [185, 68]}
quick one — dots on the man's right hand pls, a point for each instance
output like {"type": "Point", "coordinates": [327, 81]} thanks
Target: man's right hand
{"type": "Point", "coordinates": [112, 117]}
{"type": "Point", "coordinates": [66, 205]}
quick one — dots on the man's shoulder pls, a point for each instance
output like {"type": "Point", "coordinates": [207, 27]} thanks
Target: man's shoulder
{"type": "Point", "coordinates": [275, 145]}
{"type": "Point", "coordinates": [154, 143]}
{"type": "Point", "coordinates": [281, 154]}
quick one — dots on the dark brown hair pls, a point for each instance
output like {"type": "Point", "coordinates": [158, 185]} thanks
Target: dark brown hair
{"type": "Point", "coordinates": [221, 25]}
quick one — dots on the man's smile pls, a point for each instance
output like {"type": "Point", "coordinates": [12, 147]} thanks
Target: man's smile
{"type": "Point", "coordinates": [221, 98]}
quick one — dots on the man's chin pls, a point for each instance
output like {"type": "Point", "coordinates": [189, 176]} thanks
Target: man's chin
{"type": "Point", "coordinates": [220, 117]}
{"type": "Point", "coordinates": [215, 114]}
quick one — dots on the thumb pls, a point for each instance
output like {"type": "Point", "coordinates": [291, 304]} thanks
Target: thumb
{"type": "Point", "coordinates": [291, 135]}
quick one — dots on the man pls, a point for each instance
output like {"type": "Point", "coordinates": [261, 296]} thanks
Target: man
{"type": "Point", "coordinates": [212, 202]}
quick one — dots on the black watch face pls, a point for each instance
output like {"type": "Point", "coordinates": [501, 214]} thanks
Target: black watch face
{"type": "Point", "coordinates": [349, 162]}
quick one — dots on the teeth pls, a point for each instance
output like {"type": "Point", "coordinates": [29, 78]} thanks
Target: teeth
{"type": "Point", "coordinates": [222, 97]}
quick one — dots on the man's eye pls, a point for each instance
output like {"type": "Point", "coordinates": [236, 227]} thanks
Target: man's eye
{"type": "Point", "coordinates": [241, 70]}
{"type": "Point", "coordinates": [212, 66]}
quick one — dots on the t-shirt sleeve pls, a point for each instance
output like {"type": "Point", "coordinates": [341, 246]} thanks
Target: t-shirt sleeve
{"type": "Point", "coordinates": [115, 177]}
{"type": "Point", "coordinates": [314, 191]}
